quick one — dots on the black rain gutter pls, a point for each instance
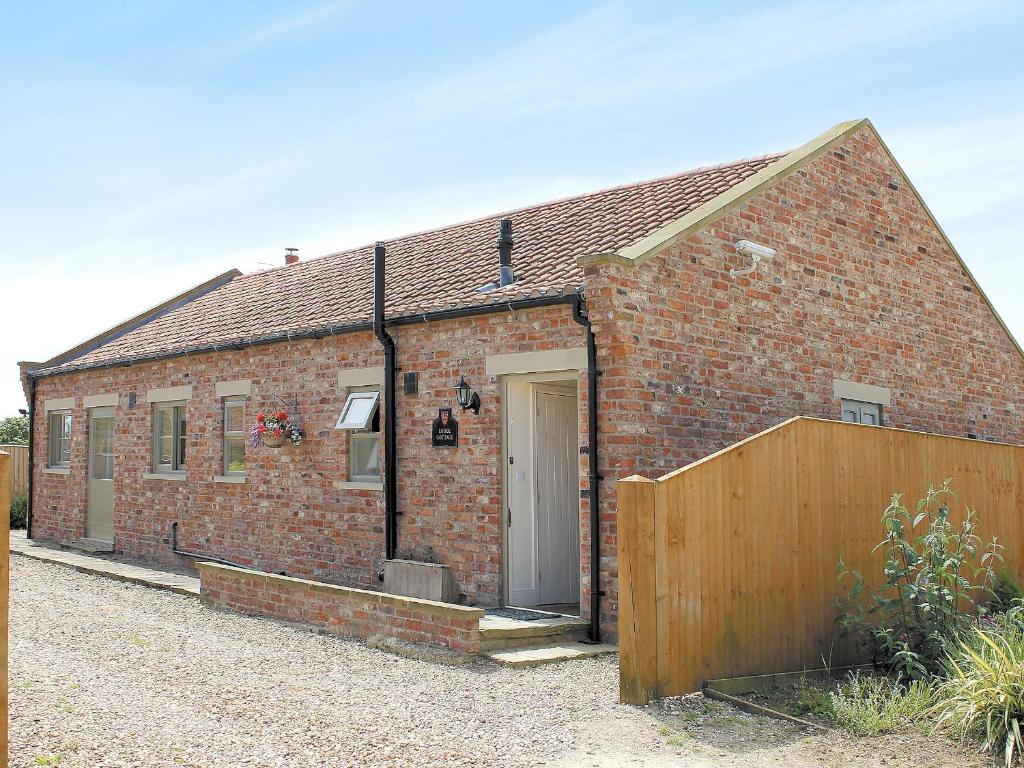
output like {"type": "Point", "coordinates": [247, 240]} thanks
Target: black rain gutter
{"type": "Point", "coordinates": [390, 408]}
{"type": "Point", "coordinates": [583, 318]}
{"type": "Point", "coordinates": [31, 451]}
{"type": "Point", "coordinates": [318, 333]}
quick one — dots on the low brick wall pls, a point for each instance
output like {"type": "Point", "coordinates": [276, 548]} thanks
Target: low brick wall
{"type": "Point", "coordinates": [343, 611]}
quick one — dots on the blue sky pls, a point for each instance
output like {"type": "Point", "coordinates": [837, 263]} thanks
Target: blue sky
{"type": "Point", "coordinates": [149, 146]}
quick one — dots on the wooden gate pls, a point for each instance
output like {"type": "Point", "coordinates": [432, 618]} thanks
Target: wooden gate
{"type": "Point", "coordinates": [727, 567]}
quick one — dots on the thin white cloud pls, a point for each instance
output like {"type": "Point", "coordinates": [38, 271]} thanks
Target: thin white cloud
{"type": "Point", "coordinates": [605, 58]}
{"type": "Point", "coordinates": [275, 31]}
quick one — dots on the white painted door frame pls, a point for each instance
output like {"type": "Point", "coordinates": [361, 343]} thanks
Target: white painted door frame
{"type": "Point", "coordinates": [519, 482]}
{"type": "Point", "coordinates": [99, 513]}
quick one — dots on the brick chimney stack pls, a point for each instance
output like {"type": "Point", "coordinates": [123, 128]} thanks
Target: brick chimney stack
{"type": "Point", "coordinates": [291, 255]}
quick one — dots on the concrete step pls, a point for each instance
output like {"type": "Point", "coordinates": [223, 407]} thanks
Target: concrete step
{"type": "Point", "coordinates": [532, 655]}
{"type": "Point", "coordinates": [501, 633]}
{"type": "Point", "coordinates": [94, 546]}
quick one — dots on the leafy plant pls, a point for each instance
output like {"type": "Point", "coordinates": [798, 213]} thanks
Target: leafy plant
{"type": "Point", "coordinates": [983, 694]}
{"type": "Point", "coordinates": [869, 705]}
{"type": "Point", "coordinates": [19, 511]}
{"type": "Point", "coordinates": [935, 576]}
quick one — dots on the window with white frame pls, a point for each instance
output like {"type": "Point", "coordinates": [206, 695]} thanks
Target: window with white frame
{"type": "Point", "coordinates": [361, 417]}
{"type": "Point", "coordinates": [234, 435]}
{"type": "Point", "coordinates": [169, 437]}
{"type": "Point", "coordinates": [60, 439]}
{"type": "Point", "coordinates": [859, 412]}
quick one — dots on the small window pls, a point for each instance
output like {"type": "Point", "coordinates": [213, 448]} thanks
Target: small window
{"type": "Point", "coordinates": [169, 437]}
{"type": "Point", "coordinates": [862, 413]}
{"type": "Point", "coordinates": [360, 409]}
{"type": "Point", "coordinates": [234, 436]}
{"type": "Point", "coordinates": [361, 416]}
{"type": "Point", "coordinates": [60, 439]}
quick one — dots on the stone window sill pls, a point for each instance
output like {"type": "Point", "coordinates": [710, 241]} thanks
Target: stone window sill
{"type": "Point", "coordinates": [178, 477]}
{"type": "Point", "coordinates": [229, 479]}
{"type": "Point", "coordinates": [57, 470]}
{"type": "Point", "coordinates": [354, 485]}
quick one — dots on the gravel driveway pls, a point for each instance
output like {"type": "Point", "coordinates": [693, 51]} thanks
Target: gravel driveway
{"type": "Point", "coordinates": [109, 674]}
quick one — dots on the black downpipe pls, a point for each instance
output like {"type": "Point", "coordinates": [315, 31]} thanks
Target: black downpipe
{"type": "Point", "coordinates": [31, 451]}
{"type": "Point", "coordinates": [390, 448]}
{"type": "Point", "coordinates": [581, 317]}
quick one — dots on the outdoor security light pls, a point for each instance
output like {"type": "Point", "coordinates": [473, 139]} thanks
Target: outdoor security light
{"type": "Point", "coordinates": [468, 399]}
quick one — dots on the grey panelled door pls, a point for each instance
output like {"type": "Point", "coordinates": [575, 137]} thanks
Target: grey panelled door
{"type": "Point", "coordinates": [99, 517]}
{"type": "Point", "coordinates": [558, 487]}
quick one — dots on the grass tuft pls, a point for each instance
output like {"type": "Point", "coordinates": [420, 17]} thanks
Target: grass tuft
{"type": "Point", "coordinates": [868, 706]}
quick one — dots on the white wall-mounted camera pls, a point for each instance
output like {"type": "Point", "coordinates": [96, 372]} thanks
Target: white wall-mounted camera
{"type": "Point", "coordinates": [755, 252]}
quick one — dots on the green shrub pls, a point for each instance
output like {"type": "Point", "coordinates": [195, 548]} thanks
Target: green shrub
{"type": "Point", "coordinates": [868, 705]}
{"type": "Point", "coordinates": [19, 511]}
{"type": "Point", "coordinates": [983, 694]}
{"type": "Point", "coordinates": [935, 575]}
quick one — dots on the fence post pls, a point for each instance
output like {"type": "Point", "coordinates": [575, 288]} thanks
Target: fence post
{"type": "Point", "coordinates": [638, 617]}
{"type": "Point", "coordinates": [5, 534]}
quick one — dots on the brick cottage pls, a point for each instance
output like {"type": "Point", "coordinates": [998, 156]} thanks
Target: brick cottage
{"type": "Point", "coordinates": [634, 329]}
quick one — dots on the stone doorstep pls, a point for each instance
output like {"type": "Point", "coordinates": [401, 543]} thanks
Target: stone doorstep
{"type": "Point", "coordinates": [531, 656]}
{"type": "Point", "coordinates": [499, 633]}
{"type": "Point", "coordinates": [94, 546]}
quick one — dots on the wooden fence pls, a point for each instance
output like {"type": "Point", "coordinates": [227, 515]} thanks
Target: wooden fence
{"type": "Point", "coordinates": [727, 567]}
{"type": "Point", "coordinates": [18, 467]}
{"type": "Point", "coordinates": [5, 503]}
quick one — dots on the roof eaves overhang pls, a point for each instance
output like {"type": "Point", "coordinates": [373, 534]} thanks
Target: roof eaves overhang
{"type": "Point", "coordinates": [135, 322]}
{"type": "Point", "coordinates": [565, 296]}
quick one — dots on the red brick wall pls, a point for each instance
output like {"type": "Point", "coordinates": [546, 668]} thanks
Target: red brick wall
{"type": "Point", "coordinates": [863, 288]}
{"type": "Point", "coordinates": [342, 611]}
{"type": "Point", "coordinates": [289, 515]}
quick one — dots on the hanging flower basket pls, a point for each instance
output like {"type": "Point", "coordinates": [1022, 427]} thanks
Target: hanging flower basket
{"type": "Point", "coordinates": [274, 431]}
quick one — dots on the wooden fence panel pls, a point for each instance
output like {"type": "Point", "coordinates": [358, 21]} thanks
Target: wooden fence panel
{"type": "Point", "coordinates": [18, 467]}
{"type": "Point", "coordinates": [5, 503]}
{"type": "Point", "coordinates": [738, 575]}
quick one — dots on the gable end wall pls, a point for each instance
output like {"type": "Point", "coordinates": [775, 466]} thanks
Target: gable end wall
{"type": "Point", "coordinates": [864, 288]}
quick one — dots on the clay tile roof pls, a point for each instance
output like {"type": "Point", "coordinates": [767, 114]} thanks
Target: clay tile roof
{"type": "Point", "coordinates": [427, 271]}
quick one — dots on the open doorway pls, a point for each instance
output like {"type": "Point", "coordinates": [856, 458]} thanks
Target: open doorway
{"type": "Point", "coordinates": [542, 493]}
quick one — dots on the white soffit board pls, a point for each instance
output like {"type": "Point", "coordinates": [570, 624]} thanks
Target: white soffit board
{"type": "Point", "coordinates": [237, 388]}
{"type": "Point", "coordinates": [99, 401]}
{"type": "Point", "coordinates": [167, 394]}
{"type": "Point", "coordinates": [361, 377]}
{"type": "Point", "coordinates": [574, 359]}
{"type": "Point", "coordinates": [865, 393]}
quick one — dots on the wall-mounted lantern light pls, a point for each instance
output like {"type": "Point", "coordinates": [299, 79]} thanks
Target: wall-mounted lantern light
{"type": "Point", "coordinates": [468, 399]}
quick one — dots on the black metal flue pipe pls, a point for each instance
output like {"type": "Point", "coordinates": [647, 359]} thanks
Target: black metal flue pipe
{"type": "Point", "coordinates": [581, 317]}
{"type": "Point", "coordinates": [390, 372]}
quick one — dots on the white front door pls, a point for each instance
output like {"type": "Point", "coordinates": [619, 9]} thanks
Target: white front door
{"type": "Point", "coordinates": [99, 516]}
{"type": "Point", "coordinates": [543, 493]}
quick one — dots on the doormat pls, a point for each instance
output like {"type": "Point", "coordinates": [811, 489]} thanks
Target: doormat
{"type": "Point", "coordinates": [519, 614]}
